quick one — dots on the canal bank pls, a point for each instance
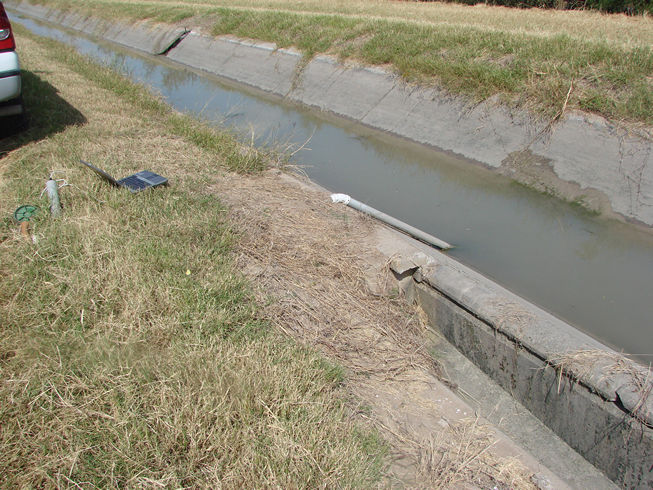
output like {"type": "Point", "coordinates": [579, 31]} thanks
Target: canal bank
{"type": "Point", "coordinates": [610, 395]}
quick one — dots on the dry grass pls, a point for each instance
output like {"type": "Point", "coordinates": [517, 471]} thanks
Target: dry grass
{"type": "Point", "coordinates": [621, 30]}
{"type": "Point", "coordinates": [512, 317]}
{"type": "Point", "coordinates": [593, 366]}
{"type": "Point", "coordinates": [454, 455]}
{"type": "Point", "coordinates": [164, 373]}
{"type": "Point", "coordinates": [328, 304]}
{"type": "Point", "coordinates": [583, 364]}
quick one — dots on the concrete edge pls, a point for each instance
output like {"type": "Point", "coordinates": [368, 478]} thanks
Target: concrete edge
{"type": "Point", "coordinates": [601, 370]}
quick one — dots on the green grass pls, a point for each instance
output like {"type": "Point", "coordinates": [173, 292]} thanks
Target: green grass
{"type": "Point", "coordinates": [467, 61]}
{"type": "Point", "coordinates": [132, 353]}
{"type": "Point", "coordinates": [524, 67]}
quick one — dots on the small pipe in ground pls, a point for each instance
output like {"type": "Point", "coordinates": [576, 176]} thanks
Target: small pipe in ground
{"type": "Point", "coordinates": [53, 194]}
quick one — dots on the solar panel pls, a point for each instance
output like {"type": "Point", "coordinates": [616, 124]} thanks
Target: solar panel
{"type": "Point", "coordinates": [151, 177]}
{"type": "Point", "coordinates": [137, 182]}
{"type": "Point", "coordinates": [134, 183]}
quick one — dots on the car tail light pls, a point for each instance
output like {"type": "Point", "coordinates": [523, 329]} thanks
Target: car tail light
{"type": "Point", "coordinates": [6, 36]}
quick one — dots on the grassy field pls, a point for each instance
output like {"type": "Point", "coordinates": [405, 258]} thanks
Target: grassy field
{"type": "Point", "coordinates": [131, 350]}
{"type": "Point", "coordinates": [528, 58]}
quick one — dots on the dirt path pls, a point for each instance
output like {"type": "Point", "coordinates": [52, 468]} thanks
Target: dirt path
{"type": "Point", "coordinates": [323, 283]}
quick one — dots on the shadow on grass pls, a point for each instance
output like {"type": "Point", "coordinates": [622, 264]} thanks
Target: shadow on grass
{"type": "Point", "coordinates": [46, 113]}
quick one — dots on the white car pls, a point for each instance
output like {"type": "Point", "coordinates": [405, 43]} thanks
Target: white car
{"type": "Point", "coordinates": [11, 101]}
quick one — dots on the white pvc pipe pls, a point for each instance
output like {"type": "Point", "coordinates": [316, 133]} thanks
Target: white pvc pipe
{"type": "Point", "coordinates": [394, 222]}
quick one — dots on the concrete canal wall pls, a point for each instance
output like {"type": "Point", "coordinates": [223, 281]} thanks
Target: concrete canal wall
{"type": "Point", "coordinates": [594, 399]}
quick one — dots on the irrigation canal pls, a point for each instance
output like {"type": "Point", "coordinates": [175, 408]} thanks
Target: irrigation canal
{"type": "Point", "coordinates": [594, 273]}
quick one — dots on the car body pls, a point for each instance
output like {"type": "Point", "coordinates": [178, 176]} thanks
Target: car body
{"type": "Point", "coordinates": [11, 102]}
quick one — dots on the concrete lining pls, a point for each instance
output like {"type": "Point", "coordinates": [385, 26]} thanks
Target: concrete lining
{"type": "Point", "coordinates": [143, 36]}
{"type": "Point", "coordinates": [601, 408]}
{"type": "Point", "coordinates": [260, 66]}
{"type": "Point", "coordinates": [583, 149]}
{"type": "Point", "coordinates": [597, 402]}
{"type": "Point", "coordinates": [346, 92]}
{"type": "Point", "coordinates": [606, 158]}
{"type": "Point", "coordinates": [599, 429]}
{"type": "Point", "coordinates": [475, 132]}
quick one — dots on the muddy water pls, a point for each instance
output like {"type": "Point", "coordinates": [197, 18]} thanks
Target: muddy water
{"type": "Point", "coordinates": [593, 273]}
